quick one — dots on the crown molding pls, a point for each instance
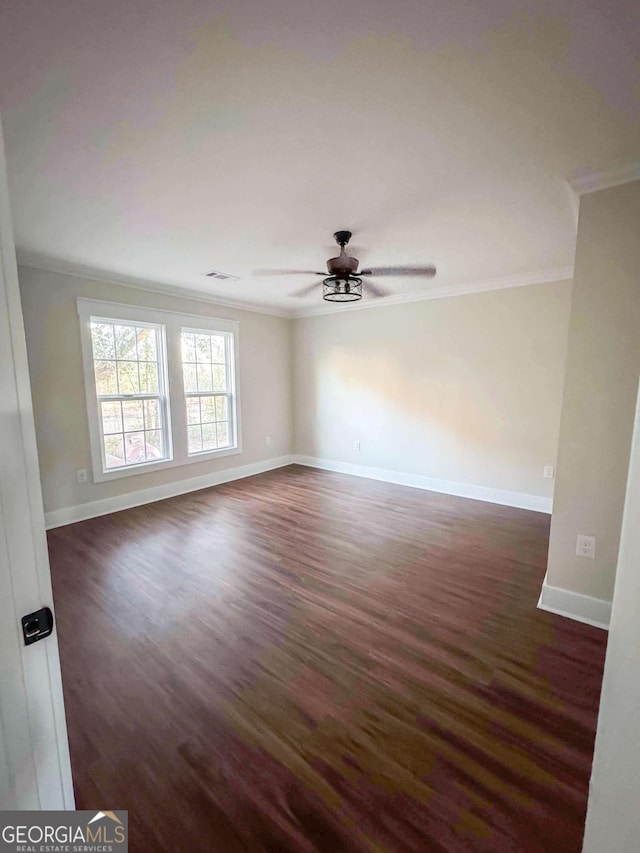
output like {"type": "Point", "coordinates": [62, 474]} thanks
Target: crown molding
{"type": "Point", "coordinates": [37, 262]}
{"type": "Point", "coordinates": [590, 182]}
{"type": "Point", "coordinates": [446, 291]}
{"type": "Point", "coordinates": [26, 259]}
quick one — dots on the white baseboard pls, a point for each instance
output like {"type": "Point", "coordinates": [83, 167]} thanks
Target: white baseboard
{"type": "Point", "coordinates": [575, 605]}
{"type": "Point", "coordinates": [447, 487]}
{"type": "Point", "coordinates": [70, 514]}
{"type": "Point", "coordinates": [104, 506]}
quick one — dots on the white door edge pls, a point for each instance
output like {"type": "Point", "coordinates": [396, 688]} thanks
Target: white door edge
{"type": "Point", "coordinates": [34, 754]}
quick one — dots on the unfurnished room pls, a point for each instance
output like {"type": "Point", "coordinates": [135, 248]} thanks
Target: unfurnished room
{"type": "Point", "coordinates": [319, 432]}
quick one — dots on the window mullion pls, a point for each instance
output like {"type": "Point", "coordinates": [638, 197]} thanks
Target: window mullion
{"type": "Point", "coordinates": [175, 391]}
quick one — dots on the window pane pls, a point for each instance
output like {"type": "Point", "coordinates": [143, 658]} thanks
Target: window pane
{"type": "Point", "coordinates": [153, 444]}
{"type": "Point", "coordinates": [102, 341]}
{"type": "Point", "coordinates": [148, 377]}
{"type": "Point", "coordinates": [113, 451]}
{"type": "Point", "coordinates": [126, 342]}
{"type": "Point", "coordinates": [152, 414]}
{"type": "Point", "coordinates": [129, 362]}
{"type": "Point", "coordinates": [209, 441]}
{"type": "Point", "coordinates": [128, 380]}
{"type": "Point", "coordinates": [111, 417]}
{"type": "Point", "coordinates": [193, 410]}
{"type": "Point", "coordinates": [223, 434]}
{"type": "Point", "coordinates": [204, 378]}
{"type": "Point", "coordinates": [146, 344]}
{"type": "Point", "coordinates": [222, 409]}
{"type": "Point", "coordinates": [219, 377]}
{"type": "Point", "coordinates": [194, 439]}
{"type": "Point", "coordinates": [188, 347]}
{"type": "Point", "coordinates": [190, 377]}
{"type": "Point", "coordinates": [208, 406]}
{"type": "Point", "coordinates": [203, 348]}
{"type": "Point", "coordinates": [134, 447]}
{"type": "Point", "coordinates": [217, 349]}
{"type": "Point", "coordinates": [205, 371]}
{"type": "Point", "coordinates": [105, 372]}
{"type": "Point", "coordinates": [132, 415]}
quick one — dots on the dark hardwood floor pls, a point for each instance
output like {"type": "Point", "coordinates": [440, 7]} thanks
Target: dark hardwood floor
{"type": "Point", "coordinates": [305, 661]}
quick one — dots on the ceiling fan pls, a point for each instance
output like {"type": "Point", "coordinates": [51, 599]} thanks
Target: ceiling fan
{"type": "Point", "coordinates": [344, 282]}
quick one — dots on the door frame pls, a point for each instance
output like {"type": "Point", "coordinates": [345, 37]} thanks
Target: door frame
{"type": "Point", "coordinates": [34, 747]}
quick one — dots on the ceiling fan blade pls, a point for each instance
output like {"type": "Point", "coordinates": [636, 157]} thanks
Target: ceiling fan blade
{"type": "Point", "coordinates": [424, 271]}
{"type": "Point", "coordinates": [376, 290]}
{"type": "Point", "coordinates": [287, 272]}
{"type": "Point", "coordinates": [305, 291]}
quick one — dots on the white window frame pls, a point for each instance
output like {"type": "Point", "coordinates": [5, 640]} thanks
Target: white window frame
{"type": "Point", "coordinates": [230, 393]}
{"type": "Point", "coordinates": [173, 323]}
{"type": "Point", "coordinates": [162, 396]}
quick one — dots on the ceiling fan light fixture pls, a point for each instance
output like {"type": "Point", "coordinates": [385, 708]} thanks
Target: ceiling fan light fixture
{"type": "Point", "coordinates": [345, 289]}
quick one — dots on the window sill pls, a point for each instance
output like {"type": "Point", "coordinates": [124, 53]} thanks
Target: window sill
{"type": "Point", "coordinates": [161, 464]}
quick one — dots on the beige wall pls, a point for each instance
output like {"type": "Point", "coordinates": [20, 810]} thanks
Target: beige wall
{"type": "Point", "coordinates": [603, 364]}
{"type": "Point", "coordinates": [55, 365]}
{"type": "Point", "coordinates": [466, 389]}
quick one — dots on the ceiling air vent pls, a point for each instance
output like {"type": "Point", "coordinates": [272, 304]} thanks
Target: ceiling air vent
{"type": "Point", "coordinates": [221, 276]}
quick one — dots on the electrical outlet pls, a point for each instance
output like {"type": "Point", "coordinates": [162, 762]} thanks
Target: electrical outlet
{"type": "Point", "coordinates": [549, 472]}
{"type": "Point", "coordinates": [586, 546]}
{"type": "Point", "coordinates": [267, 440]}
{"type": "Point", "coordinates": [356, 445]}
{"type": "Point", "coordinates": [81, 475]}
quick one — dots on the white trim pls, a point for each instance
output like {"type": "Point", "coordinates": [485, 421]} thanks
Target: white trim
{"type": "Point", "coordinates": [32, 720]}
{"type": "Point", "coordinates": [590, 182]}
{"type": "Point", "coordinates": [444, 292]}
{"type": "Point", "coordinates": [575, 605]}
{"type": "Point", "coordinates": [35, 262]}
{"type": "Point", "coordinates": [92, 509]}
{"type": "Point", "coordinates": [141, 313]}
{"type": "Point", "coordinates": [613, 820]}
{"type": "Point", "coordinates": [28, 260]}
{"type": "Point", "coordinates": [445, 487]}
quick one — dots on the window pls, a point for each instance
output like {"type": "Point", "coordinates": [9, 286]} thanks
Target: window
{"type": "Point", "coordinates": [161, 387]}
{"type": "Point", "coordinates": [129, 365]}
{"type": "Point", "coordinates": [207, 388]}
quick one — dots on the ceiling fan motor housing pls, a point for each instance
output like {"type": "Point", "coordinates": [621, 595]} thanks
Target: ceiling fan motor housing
{"type": "Point", "coordinates": [343, 265]}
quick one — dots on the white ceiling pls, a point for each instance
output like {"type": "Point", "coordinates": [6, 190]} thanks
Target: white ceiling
{"type": "Point", "coordinates": [158, 139]}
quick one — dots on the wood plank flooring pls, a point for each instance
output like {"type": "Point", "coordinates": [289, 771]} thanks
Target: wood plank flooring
{"type": "Point", "coordinates": [305, 661]}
